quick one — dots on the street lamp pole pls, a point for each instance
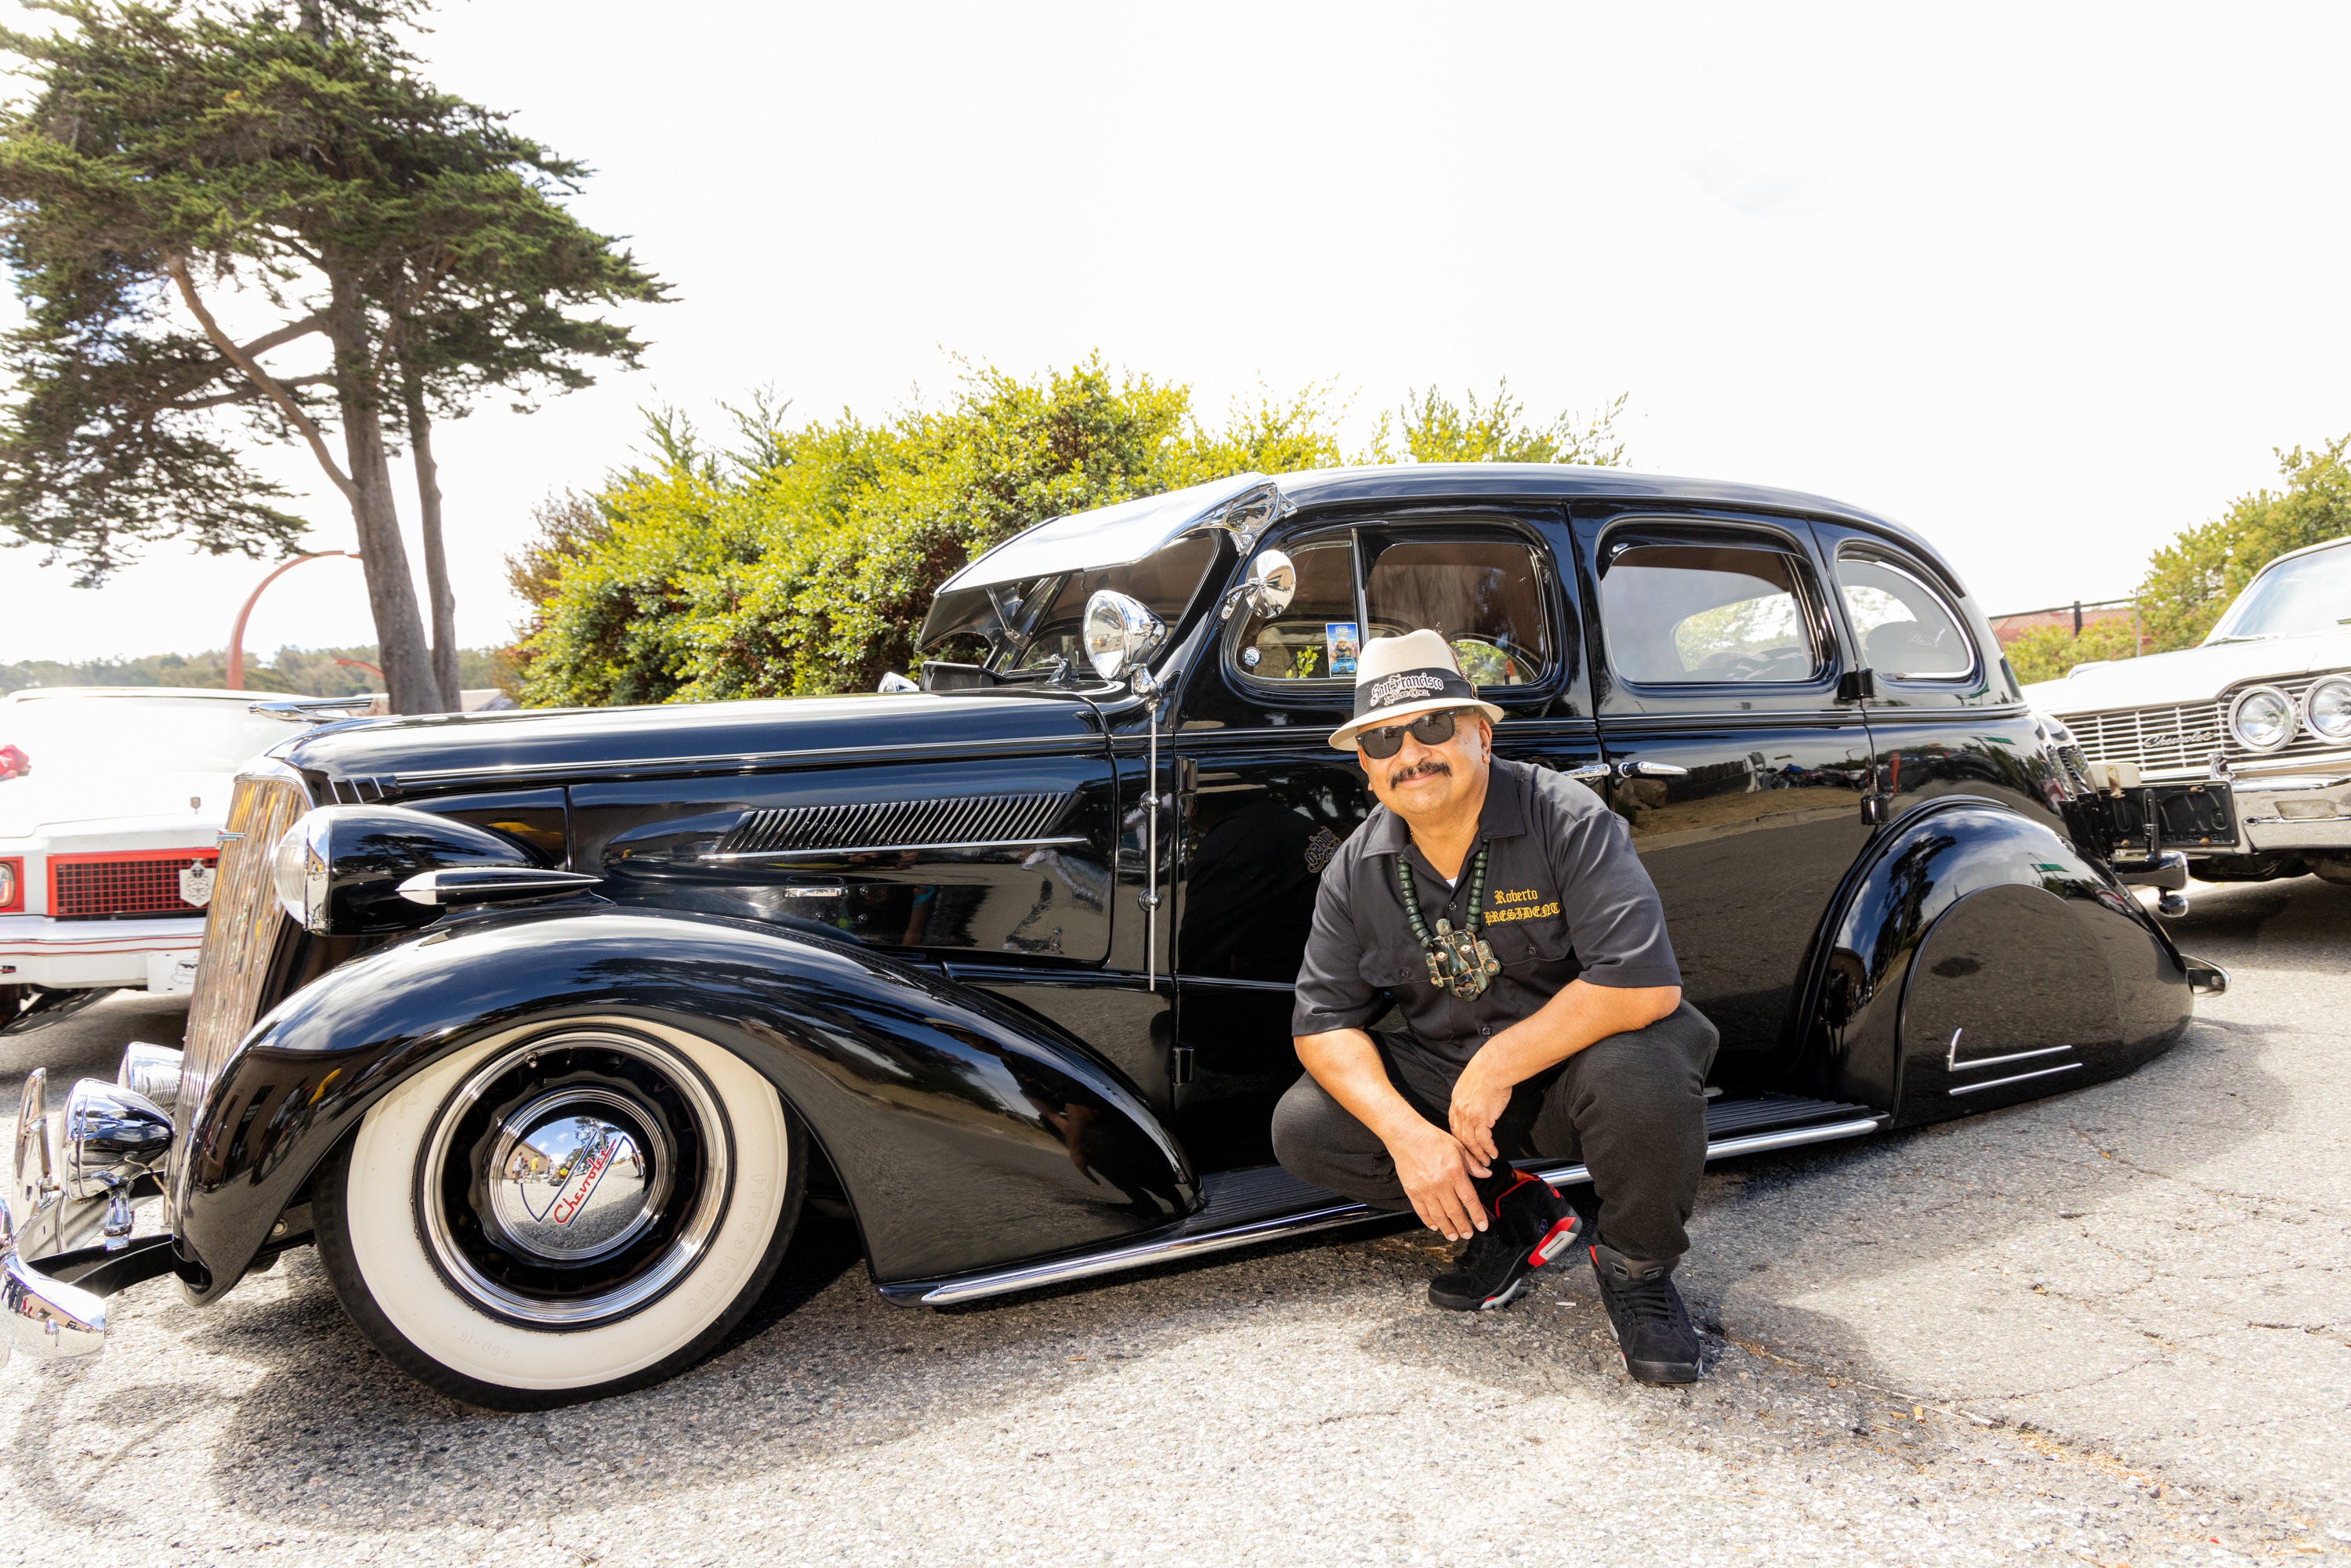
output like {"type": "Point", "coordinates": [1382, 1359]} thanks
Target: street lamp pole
{"type": "Point", "coordinates": [236, 633]}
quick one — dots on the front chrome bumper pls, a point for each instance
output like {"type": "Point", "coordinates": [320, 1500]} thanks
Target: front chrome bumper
{"type": "Point", "coordinates": [2308, 811]}
{"type": "Point", "coordinates": [41, 1317]}
{"type": "Point", "coordinates": [115, 1138]}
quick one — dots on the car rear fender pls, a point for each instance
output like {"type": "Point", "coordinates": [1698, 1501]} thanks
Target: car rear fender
{"type": "Point", "coordinates": [964, 1132]}
{"type": "Point", "coordinates": [1967, 934]}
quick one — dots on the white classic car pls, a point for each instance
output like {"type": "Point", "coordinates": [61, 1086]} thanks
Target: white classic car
{"type": "Point", "coordinates": [111, 800]}
{"type": "Point", "coordinates": [2239, 748]}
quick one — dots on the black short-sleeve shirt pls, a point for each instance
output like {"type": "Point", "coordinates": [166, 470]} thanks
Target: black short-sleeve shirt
{"type": "Point", "coordinates": [1566, 898]}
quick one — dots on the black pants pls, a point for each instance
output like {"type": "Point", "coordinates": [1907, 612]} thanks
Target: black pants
{"type": "Point", "coordinates": [1631, 1107]}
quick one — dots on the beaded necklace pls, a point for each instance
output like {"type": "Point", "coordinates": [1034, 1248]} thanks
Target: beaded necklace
{"type": "Point", "coordinates": [1459, 960]}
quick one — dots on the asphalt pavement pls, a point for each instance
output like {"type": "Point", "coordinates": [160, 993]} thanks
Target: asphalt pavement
{"type": "Point", "coordinates": [2113, 1327]}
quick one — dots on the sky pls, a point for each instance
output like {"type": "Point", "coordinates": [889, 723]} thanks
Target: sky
{"type": "Point", "coordinates": [2047, 284]}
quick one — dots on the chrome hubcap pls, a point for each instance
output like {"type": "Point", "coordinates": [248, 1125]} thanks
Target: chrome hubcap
{"type": "Point", "coordinates": [575, 1176]}
{"type": "Point", "coordinates": [574, 1180]}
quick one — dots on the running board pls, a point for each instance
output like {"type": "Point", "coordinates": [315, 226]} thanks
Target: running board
{"type": "Point", "coordinates": [1266, 1203]}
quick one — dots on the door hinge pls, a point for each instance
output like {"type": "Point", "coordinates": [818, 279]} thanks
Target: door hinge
{"type": "Point", "coordinates": [1857, 686]}
{"type": "Point", "coordinates": [1179, 1064]}
{"type": "Point", "coordinates": [1873, 811]}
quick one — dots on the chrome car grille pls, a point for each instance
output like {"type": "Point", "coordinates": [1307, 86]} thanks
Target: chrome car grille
{"type": "Point", "coordinates": [240, 935]}
{"type": "Point", "coordinates": [2182, 737]}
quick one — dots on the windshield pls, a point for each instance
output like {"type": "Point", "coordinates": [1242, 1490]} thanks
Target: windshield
{"type": "Point", "coordinates": [2293, 598]}
{"type": "Point", "coordinates": [61, 737]}
{"type": "Point", "coordinates": [1026, 626]}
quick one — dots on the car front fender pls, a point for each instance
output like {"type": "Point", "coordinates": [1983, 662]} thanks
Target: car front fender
{"type": "Point", "coordinates": [964, 1132]}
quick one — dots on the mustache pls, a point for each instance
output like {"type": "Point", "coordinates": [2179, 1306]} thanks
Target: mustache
{"type": "Point", "coordinates": [1417, 770]}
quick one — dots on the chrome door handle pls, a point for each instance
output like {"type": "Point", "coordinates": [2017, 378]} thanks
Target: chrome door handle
{"type": "Point", "coordinates": [1651, 770]}
{"type": "Point", "coordinates": [1590, 772]}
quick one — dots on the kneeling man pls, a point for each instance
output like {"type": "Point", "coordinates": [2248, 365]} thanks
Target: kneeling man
{"type": "Point", "coordinates": [1501, 909]}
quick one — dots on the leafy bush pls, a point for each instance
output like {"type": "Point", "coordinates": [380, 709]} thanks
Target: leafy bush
{"type": "Point", "coordinates": [803, 560]}
{"type": "Point", "coordinates": [2046, 653]}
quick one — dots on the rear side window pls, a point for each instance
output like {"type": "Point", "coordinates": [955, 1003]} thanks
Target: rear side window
{"type": "Point", "coordinates": [1905, 629]}
{"type": "Point", "coordinates": [1707, 615]}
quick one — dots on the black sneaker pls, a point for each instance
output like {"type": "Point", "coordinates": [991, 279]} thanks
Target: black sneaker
{"type": "Point", "coordinates": [1529, 1226]}
{"type": "Point", "coordinates": [1652, 1328]}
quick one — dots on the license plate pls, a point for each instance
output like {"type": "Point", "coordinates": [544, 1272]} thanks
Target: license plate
{"type": "Point", "coordinates": [2187, 816]}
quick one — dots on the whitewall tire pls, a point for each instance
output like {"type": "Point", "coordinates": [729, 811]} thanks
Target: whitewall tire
{"type": "Point", "coordinates": [562, 1212]}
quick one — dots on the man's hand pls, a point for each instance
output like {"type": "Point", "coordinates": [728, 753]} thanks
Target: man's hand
{"type": "Point", "coordinates": [1435, 1170]}
{"type": "Point", "coordinates": [1479, 1100]}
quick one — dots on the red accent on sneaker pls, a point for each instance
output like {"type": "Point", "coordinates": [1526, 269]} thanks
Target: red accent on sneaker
{"type": "Point", "coordinates": [1523, 1179]}
{"type": "Point", "coordinates": [1557, 1237]}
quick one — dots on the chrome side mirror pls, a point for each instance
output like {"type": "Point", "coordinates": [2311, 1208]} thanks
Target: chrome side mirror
{"type": "Point", "coordinates": [1270, 585]}
{"type": "Point", "coordinates": [1120, 634]}
{"type": "Point", "coordinates": [1272, 582]}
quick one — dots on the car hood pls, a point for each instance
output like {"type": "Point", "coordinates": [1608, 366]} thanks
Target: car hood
{"type": "Point", "coordinates": [561, 745]}
{"type": "Point", "coordinates": [53, 801]}
{"type": "Point", "coordinates": [2190, 675]}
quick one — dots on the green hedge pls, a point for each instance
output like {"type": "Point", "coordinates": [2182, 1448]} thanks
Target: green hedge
{"type": "Point", "coordinates": [803, 562]}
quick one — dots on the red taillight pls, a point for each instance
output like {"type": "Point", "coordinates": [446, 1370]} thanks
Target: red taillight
{"type": "Point", "coordinates": [14, 763]}
{"type": "Point", "coordinates": [12, 886]}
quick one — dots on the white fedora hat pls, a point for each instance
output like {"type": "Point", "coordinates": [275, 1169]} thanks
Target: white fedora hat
{"type": "Point", "coordinates": [1398, 677]}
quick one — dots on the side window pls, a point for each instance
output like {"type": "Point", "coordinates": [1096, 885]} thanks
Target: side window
{"type": "Point", "coordinates": [1316, 637]}
{"type": "Point", "coordinates": [1705, 615]}
{"type": "Point", "coordinates": [1482, 596]}
{"type": "Point", "coordinates": [1905, 628]}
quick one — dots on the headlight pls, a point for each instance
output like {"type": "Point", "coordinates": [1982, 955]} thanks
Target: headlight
{"type": "Point", "coordinates": [298, 867]}
{"type": "Point", "coordinates": [2327, 709]}
{"type": "Point", "coordinates": [1120, 634]}
{"type": "Point", "coordinates": [2261, 718]}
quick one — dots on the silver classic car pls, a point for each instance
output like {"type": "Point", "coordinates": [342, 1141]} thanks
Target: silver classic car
{"type": "Point", "coordinates": [2240, 747]}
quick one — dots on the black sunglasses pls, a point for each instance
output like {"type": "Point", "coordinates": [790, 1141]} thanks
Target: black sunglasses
{"type": "Point", "coordinates": [1429, 729]}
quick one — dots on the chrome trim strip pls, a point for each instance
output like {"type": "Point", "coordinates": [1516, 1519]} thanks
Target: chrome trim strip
{"type": "Point", "coordinates": [2269, 784]}
{"type": "Point", "coordinates": [1747, 1144]}
{"type": "Point", "coordinates": [2020, 1078]}
{"type": "Point", "coordinates": [1056, 1271]}
{"type": "Point", "coordinates": [2004, 1061]}
{"type": "Point", "coordinates": [752, 761]}
{"type": "Point", "coordinates": [1149, 1253]}
{"type": "Point", "coordinates": [893, 849]}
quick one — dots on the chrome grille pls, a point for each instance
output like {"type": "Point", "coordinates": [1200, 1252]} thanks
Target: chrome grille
{"type": "Point", "coordinates": [2154, 739]}
{"type": "Point", "coordinates": [2183, 737]}
{"type": "Point", "coordinates": [898, 825]}
{"type": "Point", "coordinates": [240, 932]}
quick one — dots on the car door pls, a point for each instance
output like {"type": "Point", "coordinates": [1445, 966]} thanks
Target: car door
{"type": "Point", "coordinates": [1717, 659]}
{"type": "Point", "coordinates": [1266, 799]}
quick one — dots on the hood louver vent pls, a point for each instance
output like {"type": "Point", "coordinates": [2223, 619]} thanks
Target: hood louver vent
{"type": "Point", "coordinates": [970, 823]}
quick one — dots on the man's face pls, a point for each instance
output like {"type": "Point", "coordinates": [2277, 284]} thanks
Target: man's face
{"type": "Point", "coordinates": [1426, 783]}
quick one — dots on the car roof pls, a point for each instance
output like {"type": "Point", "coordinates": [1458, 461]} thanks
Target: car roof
{"type": "Point", "coordinates": [1117, 536]}
{"type": "Point", "coordinates": [2306, 549]}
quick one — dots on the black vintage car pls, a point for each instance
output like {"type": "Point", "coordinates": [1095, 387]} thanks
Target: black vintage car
{"type": "Point", "coordinates": [545, 1026]}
